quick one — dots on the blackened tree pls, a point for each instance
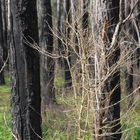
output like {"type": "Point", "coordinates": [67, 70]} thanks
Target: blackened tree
{"type": "Point", "coordinates": [25, 71]}
{"type": "Point", "coordinates": [67, 61]}
{"type": "Point", "coordinates": [47, 62]}
{"type": "Point", "coordinates": [4, 28]}
{"type": "Point", "coordinates": [2, 42]}
{"type": "Point", "coordinates": [129, 29]}
{"type": "Point", "coordinates": [133, 63]}
{"type": "Point", "coordinates": [106, 18]}
{"type": "Point", "coordinates": [63, 27]}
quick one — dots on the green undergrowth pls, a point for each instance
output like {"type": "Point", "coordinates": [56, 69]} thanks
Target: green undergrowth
{"type": "Point", "coordinates": [6, 87]}
{"type": "Point", "coordinates": [130, 119]}
{"type": "Point", "coordinates": [5, 115]}
{"type": "Point", "coordinates": [60, 121]}
{"type": "Point", "coordinates": [5, 125]}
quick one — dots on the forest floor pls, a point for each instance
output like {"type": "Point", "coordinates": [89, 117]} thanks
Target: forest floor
{"type": "Point", "coordinates": [5, 115]}
{"type": "Point", "coordinates": [58, 124]}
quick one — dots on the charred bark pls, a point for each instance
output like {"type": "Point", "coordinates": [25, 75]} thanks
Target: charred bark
{"type": "Point", "coordinates": [47, 62]}
{"type": "Point", "coordinates": [64, 12]}
{"type": "Point", "coordinates": [2, 51]}
{"type": "Point", "coordinates": [85, 18]}
{"type": "Point", "coordinates": [132, 28]}
{"type": "Point", "coordinates": [108, 118]}
{"type": "Point", "coordinates": [2, 80]}
{"type": "Point", "coordinates": [4, 28]}
{"type": "Point", "coordinates": [26, 112]}
{"type": "Point", "coordinates": [67, 62]}
{"type": "Point", "coordinates": [129, 28]}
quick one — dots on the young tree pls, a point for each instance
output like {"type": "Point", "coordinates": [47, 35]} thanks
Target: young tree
{"type": "Point", "coordinates": [25, 71]}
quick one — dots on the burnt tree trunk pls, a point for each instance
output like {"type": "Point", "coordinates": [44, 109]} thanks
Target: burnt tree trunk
{"type": "Point", "coordinates": [47, 62]}
{"type": "Point", "coordinates": [129, 29]}
{"type": "Point", "coordinates": [4, 28]}
{"type": "Point", "coordinates": [59, 26]}
{"type": "Point", "coordinates": [135, 36]}
{"type": "Point", "coordinates": [26, 112]}
{"type": "Point", "coordinates": [67, 62]}
{"type": "Point", "coordinates": [132, 28]}
{"type": "Point", "coordinates": [85, 19]}
{"type": "Point", "coordinates": [64, 13]}
{"type": "Point", "coordinates": [108, 118]}
{"type": "Point", "coordinates": [2, 51]}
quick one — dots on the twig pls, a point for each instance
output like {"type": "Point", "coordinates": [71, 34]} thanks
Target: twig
{"type": "Point", "coordinates": [4, 64]}
{"type": "Point", "coordinates": [121, 22]}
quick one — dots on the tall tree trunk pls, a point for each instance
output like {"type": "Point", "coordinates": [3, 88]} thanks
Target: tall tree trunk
{"type": "Point", "coordinates": [47, 63]}
{"type": "Point", "coordinates": [59, 24]}
{"type": "Point", "coordinates": [4, 27]}
{"type": "Point", "coordinates": [133, 63]}
{"type": "Point", "coordinates": [85, 18]}
{"type": "Point", "coordinates": [64, 12]}
{"type": "Point", "coordinates": [26, 99]}
{"type": "Point", "coordinates": [135, 33]}
{"type": "Point", "coordinates": [106, 17]}
{"type": "Point", "coordinates": [129, 29]}
{"type": "Point", "coordinates": [2, 81]}
{"type": "Point", "coordinates": [67, 62]}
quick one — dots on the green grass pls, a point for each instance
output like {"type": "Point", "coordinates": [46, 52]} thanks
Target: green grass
{"type": "Point", "coordinates": [5, 116]}
{"type": "Point", "coordinates": [137, 134]}
{"type": "Point", "coordinates": [132, 122]}
{"type": "Point", "coordinates": [6, 88]}
{"type": "Point", "coordinates": [59, 81]}
{"type": "Point", "coordinates": [58, 125]}
{"type": "Point", "coordinates": [5, 126]}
